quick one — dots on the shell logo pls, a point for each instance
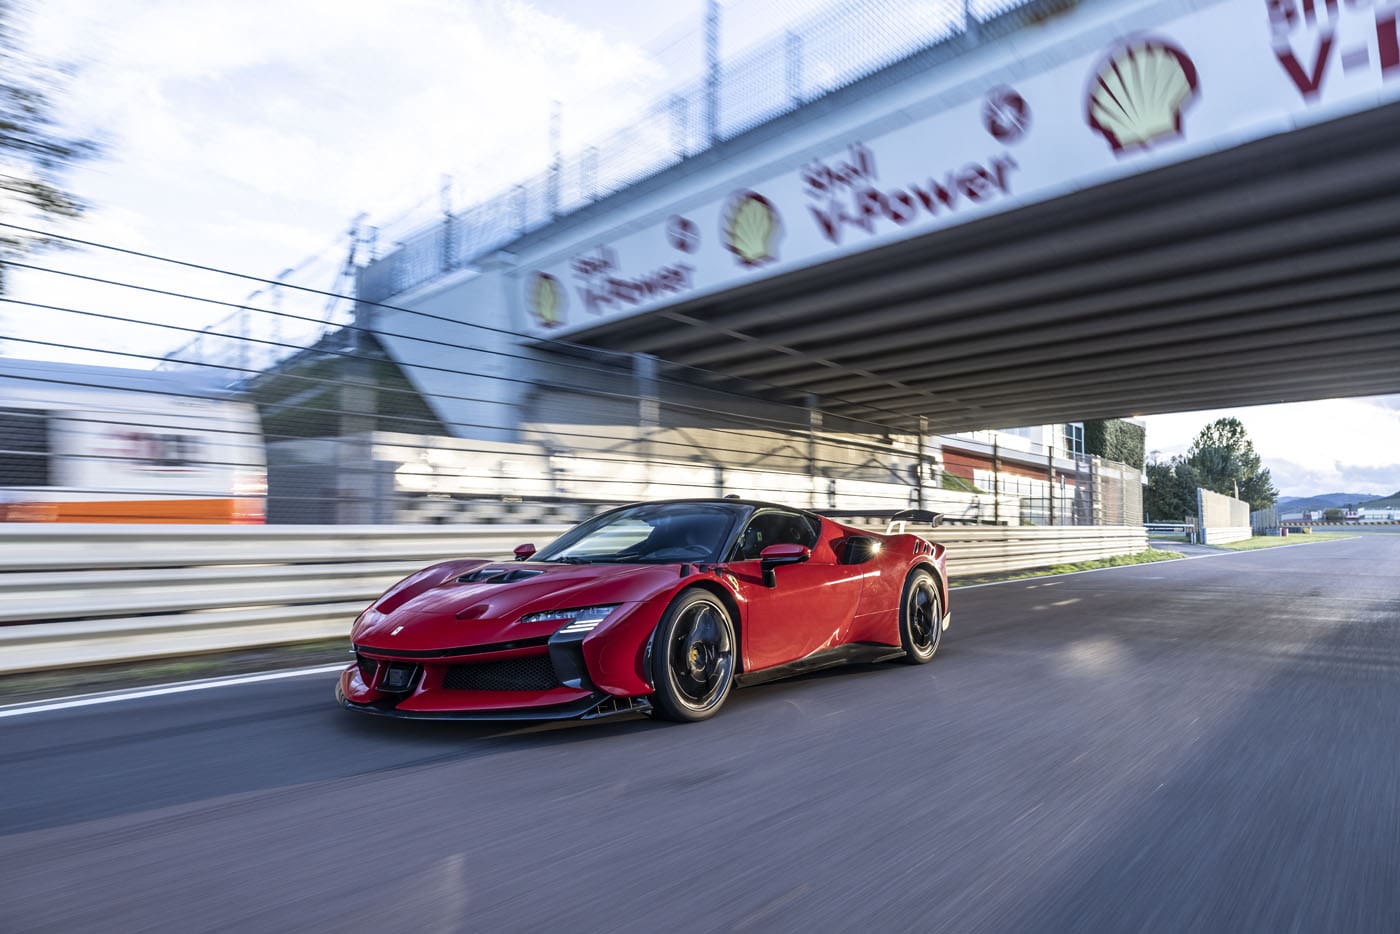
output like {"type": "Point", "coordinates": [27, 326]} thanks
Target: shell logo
{"type": "Point", "coordinates": [750, 228]}
{"type": "Point", "coordinates": [545, 296]}
{"type": "Point", "coordinates": [1139, 93]}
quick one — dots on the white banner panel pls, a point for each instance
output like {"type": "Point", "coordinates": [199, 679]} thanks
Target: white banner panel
{"type": "Point", "coordinates": [1208, 80]}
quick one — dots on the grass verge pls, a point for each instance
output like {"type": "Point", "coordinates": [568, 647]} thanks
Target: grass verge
{"type": "Point", "coordinates": [1149, 556]}
{"type": "Point", "coordinates": [1274, 541]}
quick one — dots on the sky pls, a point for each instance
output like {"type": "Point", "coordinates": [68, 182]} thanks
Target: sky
{"type": "Point", "coordinates": [248, 135]}
{"type": "Point", "coordinates": [1328, 446]}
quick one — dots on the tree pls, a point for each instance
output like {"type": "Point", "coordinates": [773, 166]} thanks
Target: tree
{"type": "Point", "coordinates": [34, 152]}
{"type": "Point", "coordinates": [1225, 462]}
{"type": "Point", "coordinates": [1171, 490]}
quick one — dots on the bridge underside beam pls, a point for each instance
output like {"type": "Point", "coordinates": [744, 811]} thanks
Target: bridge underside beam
{"type": "Point", "coordinates": [1265, 273]}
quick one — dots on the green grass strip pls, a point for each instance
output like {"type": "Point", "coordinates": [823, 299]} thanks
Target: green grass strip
{"type": "Point", "coordinates": [1149, 556]}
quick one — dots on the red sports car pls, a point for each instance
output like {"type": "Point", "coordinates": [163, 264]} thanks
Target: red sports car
{"type": "Point", "coordinates": [658, 608]}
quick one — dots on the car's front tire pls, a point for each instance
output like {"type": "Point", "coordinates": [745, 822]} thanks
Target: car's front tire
{"type": "Point", "coordinates": [693, 655]}
{"type": "Point", "coordinates": [920, 617]}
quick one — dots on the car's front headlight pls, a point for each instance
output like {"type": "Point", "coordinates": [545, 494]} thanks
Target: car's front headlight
{"type": "Point", "coordinates": [579, 620]}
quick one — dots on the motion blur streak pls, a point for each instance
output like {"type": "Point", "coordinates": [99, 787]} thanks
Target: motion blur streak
{"type": "Point", "coordinates": [1196, 745]}
{"type": "Point", "coordinates": [184, 687]}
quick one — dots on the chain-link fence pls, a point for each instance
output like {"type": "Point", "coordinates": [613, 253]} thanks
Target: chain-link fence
{"type": "Point", "coordinates": [342, 432]}
{"type": "Point", "coordinates": [1040, 483]}
{"type": "Point", "coordinates": [844, 43]}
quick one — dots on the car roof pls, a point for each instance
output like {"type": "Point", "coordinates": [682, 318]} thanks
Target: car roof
{"type": "Point", "coordinates": [720, 501]}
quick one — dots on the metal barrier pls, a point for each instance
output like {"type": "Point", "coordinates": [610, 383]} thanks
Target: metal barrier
{"type": "Point", "coordinates": [976, 551]}
{"type": "Point", "coordinates": [75, 595]}
{"type": "Point", "coordinates": [86, 595]}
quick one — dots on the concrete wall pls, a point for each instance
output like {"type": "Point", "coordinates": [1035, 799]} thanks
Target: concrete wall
{"type": "Point", "coordinates": [1224, 519]}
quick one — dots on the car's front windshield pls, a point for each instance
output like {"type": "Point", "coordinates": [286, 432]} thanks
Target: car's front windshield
{"type": "Point", "coordinates": [654, 533]}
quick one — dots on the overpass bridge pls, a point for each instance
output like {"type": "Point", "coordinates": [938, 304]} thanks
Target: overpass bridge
{"type": "Point", "coordinates": [1087, 210]}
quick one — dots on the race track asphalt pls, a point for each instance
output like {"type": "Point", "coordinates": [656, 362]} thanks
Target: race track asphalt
{"type": "Point", "coordinates": [1201, 745]}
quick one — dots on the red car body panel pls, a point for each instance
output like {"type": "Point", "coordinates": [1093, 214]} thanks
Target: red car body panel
{"type": "Point", "coordinates": [464, 645]}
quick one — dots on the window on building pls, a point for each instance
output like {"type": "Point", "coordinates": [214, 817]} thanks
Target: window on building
{"type": "Point", "coordinates": [1074, 439]}
{"type": "Point", "coordinates": [24, 447]}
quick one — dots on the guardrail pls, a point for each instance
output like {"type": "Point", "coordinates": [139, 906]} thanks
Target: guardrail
{"type": "Point", "coordinates": [73, 595]}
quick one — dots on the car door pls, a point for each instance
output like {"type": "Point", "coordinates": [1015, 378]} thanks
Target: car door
{"type": "Point", "coordinates": [811, 605]}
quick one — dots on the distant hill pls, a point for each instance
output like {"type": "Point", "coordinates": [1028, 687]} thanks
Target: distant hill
{"type": "Point", "coordinates": [1326, 501]}
{"type": "Point", "coordinates": [1386, 502]}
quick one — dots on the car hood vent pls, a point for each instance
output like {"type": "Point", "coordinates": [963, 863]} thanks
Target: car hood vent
{"type": "Point", "coordinates": [498, 575]}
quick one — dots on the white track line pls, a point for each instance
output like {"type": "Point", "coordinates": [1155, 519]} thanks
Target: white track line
{"type": "Point", "coordinates": [111, 697]}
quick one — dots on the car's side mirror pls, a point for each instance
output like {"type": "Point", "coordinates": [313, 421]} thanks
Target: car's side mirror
{"type": "Point", "coordinates": [775, 556]}
{"type": "Point", "coordinates": [523, 552]}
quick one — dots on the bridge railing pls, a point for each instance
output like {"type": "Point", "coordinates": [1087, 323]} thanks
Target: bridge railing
{"type": "Point", "coordinates": [836, 47]}
{"type": "Point", "coordinates": [74, 595]}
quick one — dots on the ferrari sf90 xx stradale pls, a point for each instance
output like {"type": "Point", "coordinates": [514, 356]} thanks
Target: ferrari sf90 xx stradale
{"type": "Point", "coordinates": [659, 608]}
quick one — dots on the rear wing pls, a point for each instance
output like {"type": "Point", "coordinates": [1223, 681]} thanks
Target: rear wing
{"type": "Point", "coordinates": [900, 520]}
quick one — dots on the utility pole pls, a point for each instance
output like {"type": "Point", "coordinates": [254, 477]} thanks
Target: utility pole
{"type": "Point", "coordinates": [996, 481]}
{"type": "Point", "coordinates": [445, 204]}
{"type": "Point", "coordinates": [814, 426]}
{"type": "Point", "coordinates": [556, 166]}
{"type": "Point", "coordinates": [644, 387]}
{"type": "Point", "coordinates": [919, 462]}
{"type": "Point", "coordinates": [792, 67]}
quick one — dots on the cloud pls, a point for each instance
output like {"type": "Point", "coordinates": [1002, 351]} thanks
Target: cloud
{"type": "Point", "coordinates": [245, 136]}
{"type": "Point", "coordinates": [337, 107]}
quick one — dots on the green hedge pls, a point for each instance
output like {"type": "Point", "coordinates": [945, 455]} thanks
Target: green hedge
{"type": "Point", "coordinates": [1116, 440]}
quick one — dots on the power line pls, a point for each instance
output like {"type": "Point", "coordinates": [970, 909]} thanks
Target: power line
{"type": "Point", "coordinates": [772, 425]}
{"type": "Point", "coordinates": [793, 433]}
{"type": "Point", "coordinates": [565, 345]}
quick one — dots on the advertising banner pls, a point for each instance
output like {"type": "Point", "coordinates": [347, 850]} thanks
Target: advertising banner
{"type": "Point", "coordinates": [1210, 79]}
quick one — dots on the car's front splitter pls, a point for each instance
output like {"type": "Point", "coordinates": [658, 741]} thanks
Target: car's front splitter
{"type": "Point", "coordinates": [589, 708]}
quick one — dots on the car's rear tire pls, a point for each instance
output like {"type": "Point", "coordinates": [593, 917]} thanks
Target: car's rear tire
{"type": "Point", "coordinates": [693, 655]}
{"type": "Point", "coordinates": [920, 617]}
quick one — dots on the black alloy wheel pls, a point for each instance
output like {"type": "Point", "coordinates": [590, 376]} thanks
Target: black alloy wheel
{"type": "Point", "coordinates": [693, 658]}
{"type": "Point", "coordinates": [920, 617]}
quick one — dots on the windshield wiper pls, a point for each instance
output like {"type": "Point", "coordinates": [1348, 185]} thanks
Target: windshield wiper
{"type": "Point", "coordinates": [570, 559]}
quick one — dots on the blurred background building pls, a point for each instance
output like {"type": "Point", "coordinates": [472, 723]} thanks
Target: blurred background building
{"type": "Point", "coordinates": [422, 392]}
